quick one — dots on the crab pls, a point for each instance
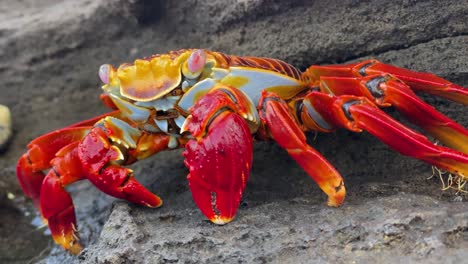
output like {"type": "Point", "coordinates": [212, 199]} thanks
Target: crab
{"type": "Point", "coordinates": [215, 105]}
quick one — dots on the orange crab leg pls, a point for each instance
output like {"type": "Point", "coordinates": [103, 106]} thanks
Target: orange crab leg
{"type": "Point", "coordinates": [358, 113]}
{"type": "Point", "coordinates": [55, 202]}
{"type": "Point", "coordinates": [419, 81]}
{"type": "Point", "coordinates": [220, 155]}
{"type": "Point", "coordinates": [424, 82]}
{"type": "Point", "coordinates": [385, 90]}
{"type": "Point", "coordinates": [287, 133]}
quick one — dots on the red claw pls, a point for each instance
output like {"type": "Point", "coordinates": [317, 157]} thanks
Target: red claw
{"type": "Point", "coordinates": [95, 152]}
{"type": "Point", "coordinates": [219, 167]}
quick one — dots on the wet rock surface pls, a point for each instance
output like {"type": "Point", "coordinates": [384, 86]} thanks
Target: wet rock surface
{"type": "Point", "coordinates": [50, 54]}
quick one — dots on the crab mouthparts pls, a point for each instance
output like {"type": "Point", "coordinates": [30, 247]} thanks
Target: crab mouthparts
{"type": "Point", "coordinates": [164, 115]}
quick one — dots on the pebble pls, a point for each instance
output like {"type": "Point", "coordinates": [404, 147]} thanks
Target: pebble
{"type": "Point", "coordinates": [5, 126]}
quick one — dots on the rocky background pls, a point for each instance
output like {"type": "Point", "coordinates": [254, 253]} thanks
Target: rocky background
{"type": "Point", "coordinates": [50, 51]}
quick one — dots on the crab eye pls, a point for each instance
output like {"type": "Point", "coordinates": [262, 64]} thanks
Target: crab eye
{"type": "Point", "coordinates": [104, 73]}
{"type": "Point", "coordinates": [195, 64]}
{"type": "Point", "coordinates": [196, 61]}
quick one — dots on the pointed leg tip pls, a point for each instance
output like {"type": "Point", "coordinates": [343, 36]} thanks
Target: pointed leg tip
{"type": "Point", "coordinates": [337, 199]}
{"type": "Point", "coordinates": [75, 248]}
{"type": "Point", "coordinates": [156, 203]}
{"type": "Point", "coordinates": [221, 220]}
{"type": "Point", "coordinates": [136, 193]}
{"type": "Point", "coordinates": [69, 241]}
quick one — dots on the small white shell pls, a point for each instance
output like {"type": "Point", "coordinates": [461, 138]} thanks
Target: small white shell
{"type": "Point", "coordinates": [5, 126]}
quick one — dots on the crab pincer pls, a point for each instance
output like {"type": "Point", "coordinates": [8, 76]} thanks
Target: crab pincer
{"type": "Point", "coordinates": [219, 157]}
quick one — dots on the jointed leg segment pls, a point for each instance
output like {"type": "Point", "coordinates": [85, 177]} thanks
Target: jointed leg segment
{"type": "Point", "coordinates": [284, 129]}
{"type": "Point", "coordinates": [358, 113]}
{"type": "Point", "coordinates": [385, 90]}
{"type": "Point", "coordinates": [351, 93]}
{"type": "Point", "coordinates": [419, 81]}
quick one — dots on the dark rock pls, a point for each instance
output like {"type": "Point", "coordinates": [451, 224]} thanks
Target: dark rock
{"type": "Point", "coordinates": [51, 51]}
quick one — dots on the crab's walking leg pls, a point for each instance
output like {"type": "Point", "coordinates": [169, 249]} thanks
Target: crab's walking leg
{"type": "Point", "coordinates": [56, 204]}
{"type": "Point", "coordinates": [54, 150]}
{"type": "Point", "coordinates": [284, 129]}
{"type": "Point", "coordinates": [220, 155]}
{"type": "Point", "coordinates": [41, 151]}
{"type": "Point", "coordinates": [60, 149]}
{"type": "Point", "coordinates": [419, 81]}
{"type": "Point", "coordinates": [96, 159]}
{"type": "Point", "coordinates": [386, 90]}
{"type": "Point", "coordinates": [358, 113]}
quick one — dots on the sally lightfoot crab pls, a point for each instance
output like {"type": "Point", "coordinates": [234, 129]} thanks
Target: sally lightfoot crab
{"type": "Point", "coordinates": [214, 105]}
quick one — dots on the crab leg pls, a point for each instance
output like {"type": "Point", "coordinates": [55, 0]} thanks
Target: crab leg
{"type": "Point", "coordinates": [424, 82]}
{"type": "Point", "coordinates": [220, 155]}
{"type": "Point", "coordinates": [42, 150]}
{"type": "Point", "coordinates": [419, 81]}
{"type": "Point", "coordinates": [55, 202]}
{"type": "Point", "coordinates": [96, 159]}
{"type": "Point", "coordinates": [74, 153]}
{"type": "Point", "coordinates": [385, 90]}
{"type": "Point", "coordinates": [54, 150]}
{"type": "Point", "coordinates": [287, 133]}
{"type": "Point", "coordinates": [358, 113]}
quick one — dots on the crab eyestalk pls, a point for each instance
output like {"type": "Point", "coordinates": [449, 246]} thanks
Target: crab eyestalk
{"type": "Point", "coordinates": [194, 65]}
